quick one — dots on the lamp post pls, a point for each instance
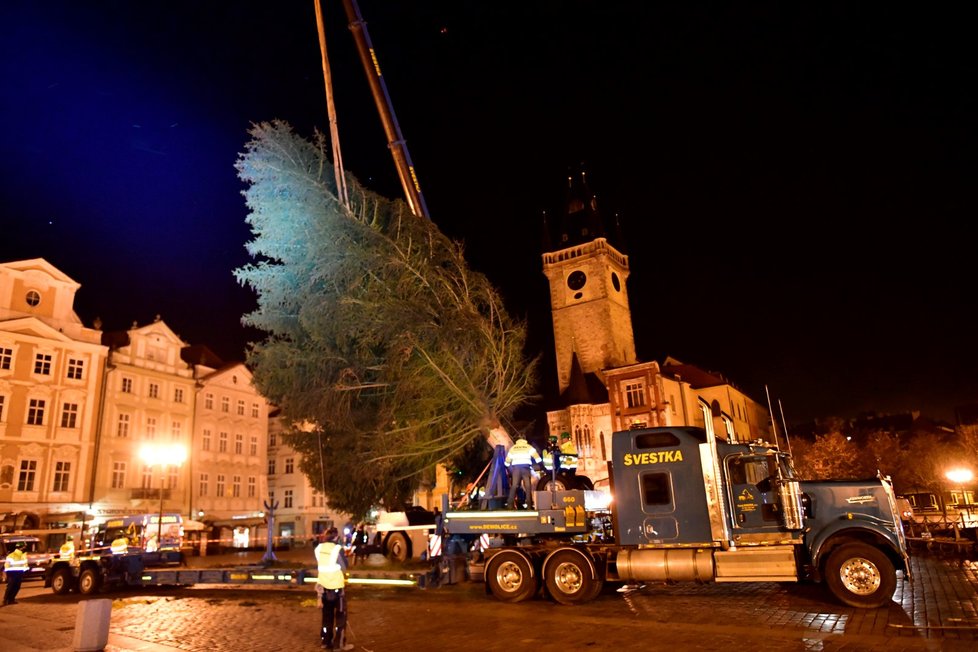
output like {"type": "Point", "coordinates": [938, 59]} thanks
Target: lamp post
{"type": "Point", "coordinates": [165, 456]}
{"type": "Point", "coordinates": [960, 476]}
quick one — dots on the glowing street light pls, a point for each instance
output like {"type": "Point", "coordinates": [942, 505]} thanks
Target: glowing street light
{"type": "Point", "coordinates": [164, 455]}
{"type": "Point", "coordinates": [960, 477]}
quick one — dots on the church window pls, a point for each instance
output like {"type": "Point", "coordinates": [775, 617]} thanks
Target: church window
{"type": "Point", "coordinates": [635, 394]}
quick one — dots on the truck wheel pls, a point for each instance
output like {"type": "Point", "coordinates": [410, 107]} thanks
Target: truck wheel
{"type": "Point", "coordinates": [61, 581]}
{"type": "Point", "coordinates": [510, 577]}
{"type": "Point", "coordinates": [860, 575]}
{"type": "Point", "coordinates": [88, 582]}
{"type": "Point", "coordinates": [584, 483]}
{"type": "Point", "coordinates": [397, 547]}
{"type": "Point", "coordinates": [547, 483]}
{"type": "Point", "coordinates": [568, 574]}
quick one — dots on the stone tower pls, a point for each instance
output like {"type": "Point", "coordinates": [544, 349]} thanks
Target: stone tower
{"type": "Point", "coordinates": [588, 296]}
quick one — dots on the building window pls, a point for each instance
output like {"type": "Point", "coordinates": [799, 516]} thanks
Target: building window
{"type": "Point", "coordinates": [42, 364]}
{"type": "Point", "coordinates": [225, 404]}
{"type": "Point", "coordinates": [253, 448]}
{"type": "Point", "coordinates": [209, 401]}
{"type": "Point", "coordinates": [238, 443]}
{"type": "Point", "coordinates": [271, 496]}
{"type": "Point", "coordinates": [672, 403]}
{"type": "Point", "coordinates": [154, 390]}
{"type": "Point", "coordinates": [76, 368]}
{"type": "Point", "coordinates": [222, 443]}
{"type": "Point", "coordinates": [2, 401]}
{"type": "Point", "coordinates": [236, 486]}
{"type": "Point", "coordinates": [220, 485]}
{"type": "Point", "coordinates": [252, 486]}
{"type": "Point", "coordinates": [205, 442]}
{"type": "Point", "coordinates": [69, 415]}
{"type": "Point", "coordinates": [118, 475]}
{"type": "Point", "coordinates": [126, 385]}
{"type": "Point", "coordinates": [28, 472]}
{"type": "Point", "coordinates": [62, 471]}
{"type": "Point", "coordinates": [35, 412]}
{"type": "Point", "coordinates": [271, 466]}
{"type": "Point", "coordinates": [33, 298]}
{"type": "Point", "coordinates": [241, 408]}
{"type": "Point", "coordinates": [288, 498]}
{"type": "Point", "coordinates": [178, 395]}
{"type": "Point", "coordinates": [176, 430]}
{"type": "Point", "coordinates": [6, 357]}
{"type": "Point", "coordinates": [254, 410]}
{"type": "Point", "coordinates": [150, 427]}
{"type": "Point", "coordinates": [123, 429]}
{"type": "Point", "coordinates": [173, 475]}
{"type": "Point", "coordinates": [202, 485]}
{"type": "Point", "coordinates": [635, 394]}
{"type": "Point", "coordinates": [147, 476]}
{"type": "Point", "coordinates": [288, 464]}
{"type": "Point", "coordinates": [271, 439]}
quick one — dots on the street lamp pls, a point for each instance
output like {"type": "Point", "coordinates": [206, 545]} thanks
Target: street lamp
{"type": "Point", "coordinates": [165, 456]}
{"type": "Point", "coordinates": [960, 477]}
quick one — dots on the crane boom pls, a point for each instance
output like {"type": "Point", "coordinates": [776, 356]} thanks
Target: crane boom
{"type": "Point", "coordinates": [396, 142]}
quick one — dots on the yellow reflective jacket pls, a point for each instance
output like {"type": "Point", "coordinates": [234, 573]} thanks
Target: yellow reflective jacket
{"type": "Point", "coordinates": [330, 573]}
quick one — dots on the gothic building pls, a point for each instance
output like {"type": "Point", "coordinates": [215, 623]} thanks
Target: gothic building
{"type": "Point", "coordinates": [603, 386]}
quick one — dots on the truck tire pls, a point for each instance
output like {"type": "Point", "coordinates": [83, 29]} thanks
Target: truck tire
{"type": "Point", "coordinates": [547, 483]}
{"type": "Point", "coordinates": [584, 483]}
{"type": "Point", "coordinates": [860, 575]}
{"type": "Point", "coordinates": [510, 577]}
{"type": "Point", "coordinates": [61, 581]}
{"type": "Point", "coordinates": [571, 577]}
{"type": "Point", "coordinates": [398, 548]}
{"type": "Point", "coordinates": [88, 581]}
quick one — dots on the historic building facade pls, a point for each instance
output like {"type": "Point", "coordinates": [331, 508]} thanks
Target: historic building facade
{"type": "Point", "coordinates": [603, 386]}
{"type": "Point", "coordinates": [51, 369]}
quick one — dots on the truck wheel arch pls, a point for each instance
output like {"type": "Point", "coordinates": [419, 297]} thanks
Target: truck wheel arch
{"type": "Point", "coordinates": [823, 547]}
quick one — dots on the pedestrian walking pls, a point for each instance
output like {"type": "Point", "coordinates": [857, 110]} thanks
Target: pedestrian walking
{"type": "Point", "coordinates": [330, 592]}
{"type": "Point", "coordinates": [360, 544]}
{"type": "Point", "coordinates": [520, 460]}
{"type": "Point", "coordinates": [14, 567]}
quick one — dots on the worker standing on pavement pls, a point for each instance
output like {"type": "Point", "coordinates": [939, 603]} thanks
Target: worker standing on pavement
{"type": "Point", "coordinates": [520, 460]}
{"type": "Point", "coordinates": [568, 454]}
{"type": "Point", "coordinates": [15, 567]}
{"type": "Point", "coordinates": [331, 595]}
{"type": "Point", "coordinates": [67, 551]}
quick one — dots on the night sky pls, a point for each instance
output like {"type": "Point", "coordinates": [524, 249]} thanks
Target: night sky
{"type": "Point", "coordinates": [795, 184]}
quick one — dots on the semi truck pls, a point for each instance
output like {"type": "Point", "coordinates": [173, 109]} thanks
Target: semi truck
{"type": "Point", "coordinates": [686, 505]}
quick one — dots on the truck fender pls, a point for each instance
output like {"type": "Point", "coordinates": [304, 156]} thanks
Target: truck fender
{"type": "Point", "coordinates": [858, 528]}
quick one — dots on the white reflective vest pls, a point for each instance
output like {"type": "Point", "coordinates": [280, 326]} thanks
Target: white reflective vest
{"type": "Point", "coordinates": [522, 454]}
{"type": "Point", "coordinates": [16, 562]}
{"type": "Point", "coordinates": [67, 550]}
{"type": "Point", "coordinates": [330, 574]}
{"type": "Point", "coordinates": [120, 546]}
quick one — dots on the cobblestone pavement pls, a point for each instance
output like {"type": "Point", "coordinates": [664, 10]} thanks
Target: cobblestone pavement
{"type": "Point", "coordinates": [938, 611]}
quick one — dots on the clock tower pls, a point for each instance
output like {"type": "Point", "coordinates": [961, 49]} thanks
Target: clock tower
{"type": "Point", "coordinates": [588, 296]}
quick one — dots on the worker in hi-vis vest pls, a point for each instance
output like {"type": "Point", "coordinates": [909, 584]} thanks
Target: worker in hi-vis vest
{"type": "Point", "coordinates": [331, 597]}
{"type": "Point", "coordinates": [520, 460]}
{"type": "Point", "coordinates": [67, 550]}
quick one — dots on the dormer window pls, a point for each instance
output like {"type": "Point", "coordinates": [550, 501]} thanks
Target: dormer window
{"type": "Point", "coordinates": [33, 298]}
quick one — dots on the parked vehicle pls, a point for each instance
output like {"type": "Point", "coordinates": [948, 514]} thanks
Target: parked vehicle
{"type": "Point", "coordinates": [691, 507]}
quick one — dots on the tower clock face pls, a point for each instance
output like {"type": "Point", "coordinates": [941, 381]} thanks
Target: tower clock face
{"type": "Point", "coordinates": [576, 280]}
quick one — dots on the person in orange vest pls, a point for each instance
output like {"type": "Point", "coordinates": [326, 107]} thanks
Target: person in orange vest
{"type": "Point", "coordinates": [14, 567]}
{"type": "Point", "coordinates": [330, 594]}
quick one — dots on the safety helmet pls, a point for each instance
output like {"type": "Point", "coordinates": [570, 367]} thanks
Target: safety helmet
{"type": "Point", "coordinates": [565, 435]}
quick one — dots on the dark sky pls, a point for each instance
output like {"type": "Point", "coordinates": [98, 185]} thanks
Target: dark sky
{"type": "Point", "coordinates": [795, 184]}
